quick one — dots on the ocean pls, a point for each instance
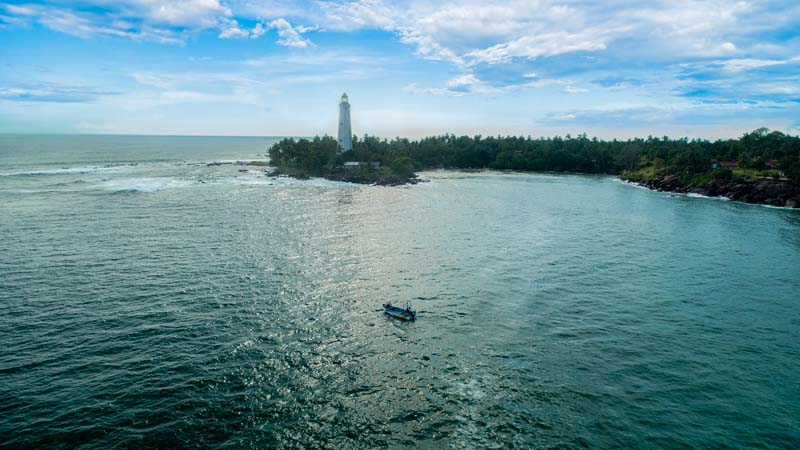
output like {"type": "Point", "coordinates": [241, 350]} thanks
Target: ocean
{"type": "Point", "coordinates": [156, 293]}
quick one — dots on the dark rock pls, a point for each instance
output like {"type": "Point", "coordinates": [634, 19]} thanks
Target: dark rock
{"type": "Point", "coordinates": [763, 191]}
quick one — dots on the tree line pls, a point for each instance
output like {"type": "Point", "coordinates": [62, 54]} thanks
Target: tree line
{"type": "Point", "coordinates": [755, 150]}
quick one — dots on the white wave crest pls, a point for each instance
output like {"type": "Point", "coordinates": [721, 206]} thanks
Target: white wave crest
{"type": "Point", "coordinates": [64, 171]}
{"type": "Point", "coordinates": [696, 195]}
{"type": "Point", "coordinates": [143, 184]}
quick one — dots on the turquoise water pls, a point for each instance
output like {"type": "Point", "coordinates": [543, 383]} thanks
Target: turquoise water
{"type": "Point", "coordinates": [151, 300]}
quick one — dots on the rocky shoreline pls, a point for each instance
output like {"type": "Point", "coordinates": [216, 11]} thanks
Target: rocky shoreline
{"type": "Point", "coordinates": [377, 180]}
{"type": "Point", "coordinates": [763, 191]}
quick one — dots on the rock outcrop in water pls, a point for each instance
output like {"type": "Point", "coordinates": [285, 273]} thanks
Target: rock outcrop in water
{"type": "Point", "coordinates": [372, 178]}
{"type": "Point", "coordinates": [762, 191]}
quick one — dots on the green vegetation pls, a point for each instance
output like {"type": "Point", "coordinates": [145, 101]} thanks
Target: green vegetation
{"type": "Point", "coordinates": [756, 173]}
{"type": "Point", "coordinates": [647, 172]}
{"type": "Point", "coordinates": [691, 160]}
{"type": "Point", "coordinates": [320, 157]}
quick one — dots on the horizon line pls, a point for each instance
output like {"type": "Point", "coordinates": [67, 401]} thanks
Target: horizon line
{"type": "Point", "coordinates": [3, 133]}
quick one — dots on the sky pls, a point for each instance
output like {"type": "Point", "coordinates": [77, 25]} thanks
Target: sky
{"type": "Point", "coordinates": [611, 68]}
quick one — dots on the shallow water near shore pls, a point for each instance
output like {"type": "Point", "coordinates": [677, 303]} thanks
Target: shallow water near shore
{"type": "Point", "coordinates": [153, 300]}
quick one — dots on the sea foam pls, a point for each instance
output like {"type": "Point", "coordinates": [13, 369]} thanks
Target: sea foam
{"type": "Point", "coordinates": [65, 170]}
{"type": "Point", "coordinates": [142, 184]}
{"type": "Point", "coordinates": [696, 195]}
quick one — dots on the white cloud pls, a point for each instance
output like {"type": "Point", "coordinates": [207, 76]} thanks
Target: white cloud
{"type": "Point", "coordinates": [469, 83]}
{"type": "Point", "coordinates": [532, 47]}
{"type": "Point", "coordinates": [85, 26]}
{"type": "Point", "coordinates": [238, 96]}
{"type": "Point", "coordinates": [690, 17]}
{"type": "Point", "coordinates": [304, 29]}
{"type": "Point", "coordinates": [777, 88]}
{"type": "Point", "coordinates": [495, 46]}
{"type": "Point", "coordinates": [463, 32]}
{"type": "Point", "coordinates": [272, 9]}
{"type": "Point", "coordinates": [19, 10]}
{"type": "Point", "coordinates": [430, 49]}
{"type": "Point", "coordinates": [169, 80]}
{"type": "Point", "coordinates": [574, 90]}
{"type": "Point", "coordinates": [258, 30]}
{"type": "Point", "coordinates": [467, 32]}
{"type": "Point", "coordinates": [464, 80]}
{"type": "Point", "coordinates": [155, 20]}
{"type": "Point", "coordinates": [413, 88]}
{"type": "Point", "coordinates": [159, 20]}
{"type": "Point", "coordinates": [360, 14]}
{"type": "Point", "coordinates": [315, 59]}
{"type": "Point", "coordinates": [741, 64]}
{"type": "Point", "coordinates": [289, 37]}
{"type": "Point", "coordinates": [709, 48]}
{"type": "Point", "coordinates": [52, 93]}
{"type": "Point", "coordinates": [232, 30]}
{"type": "Point", "coordinates": [151, 79]}
{"type": "Point", "coordinates": [470, 32]}
{"type": "Point", "coordinates": [187, 13]}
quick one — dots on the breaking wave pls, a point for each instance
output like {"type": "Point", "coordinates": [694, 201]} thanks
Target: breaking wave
{"type": "Point", "coordinates": [63, 171]}
{"type": "Point", "coordinates": [143, 184]}
{"type": "Point", "coordinates": [696, 195]}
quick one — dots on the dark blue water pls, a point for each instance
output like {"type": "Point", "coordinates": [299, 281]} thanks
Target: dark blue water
{"type": "Point", "coordinates": [152, 300]}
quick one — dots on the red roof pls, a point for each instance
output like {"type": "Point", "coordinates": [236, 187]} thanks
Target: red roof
{"type": "Point", "coordinates": [728, 164]}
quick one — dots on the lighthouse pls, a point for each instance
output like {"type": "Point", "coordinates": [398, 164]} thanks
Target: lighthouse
{"type": "Point", "coordinates": [345, 133]}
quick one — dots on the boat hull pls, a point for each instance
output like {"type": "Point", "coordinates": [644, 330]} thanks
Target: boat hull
{"type": "Point", "coordinates": [398, 313]}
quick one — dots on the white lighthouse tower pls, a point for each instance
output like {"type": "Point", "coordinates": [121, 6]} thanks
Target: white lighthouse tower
{"type": "Point", "coordinates": [345, 133]}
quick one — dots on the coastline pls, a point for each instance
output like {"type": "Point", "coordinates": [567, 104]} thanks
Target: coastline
{"type": "Point", "coordinates": [368, 178]}
{"type": "Point", "coordinates": [767, 192]}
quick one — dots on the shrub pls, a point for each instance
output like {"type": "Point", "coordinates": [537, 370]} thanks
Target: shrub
{"type": "Point", "coordinates": [722, 174]}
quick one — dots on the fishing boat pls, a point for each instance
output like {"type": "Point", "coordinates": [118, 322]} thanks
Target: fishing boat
{"type": "Point", "coordinates": [406, 313]}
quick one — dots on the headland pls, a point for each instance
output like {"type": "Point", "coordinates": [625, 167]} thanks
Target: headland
{"type": "Point", "coordinates": [761, 167]}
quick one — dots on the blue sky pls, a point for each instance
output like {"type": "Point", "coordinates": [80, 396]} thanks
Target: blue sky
{"type": "Point", "coordinates": [610, 68]}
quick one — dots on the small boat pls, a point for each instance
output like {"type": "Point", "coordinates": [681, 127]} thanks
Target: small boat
{"type": "Point", "coordinates": [403, 314]}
